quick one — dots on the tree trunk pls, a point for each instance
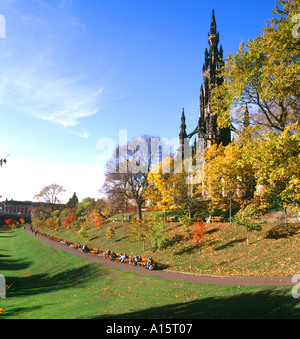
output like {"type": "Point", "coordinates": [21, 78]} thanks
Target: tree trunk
{"type": "Point", "coordinates": [285, 212]}
{"type": "Point", "coordinates": [190, 212]}
{"type": "Point", "coordinates": [230, 211]}
{"type": "Point", "coordinates": [139, 212]}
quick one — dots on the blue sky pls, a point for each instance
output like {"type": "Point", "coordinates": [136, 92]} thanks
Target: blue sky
{"type": "Point", "coordinates": [73, 72]}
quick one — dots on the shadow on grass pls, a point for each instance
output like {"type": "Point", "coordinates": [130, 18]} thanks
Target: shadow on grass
{"type": "Point", "coordinates": [187, 250]}
{"type": "Point", "coordinates": [270, 304]}
{"type": "Point", "coordinates": [13, 265]}
{"type": "Point", "coordinates": [44, 283]}
{"type": "Point", "coordinates": [176, 239]}
{"type": "Point", "coordinates": [18, 311]}
{"type": "Point", "coordinates": [94, 238]}
{"type": "Point", "coordinates": [212, 231]}
{"type": "Point", "coordinates": [121, 239]}
{"type": "Point", "coordinates": [282, 231]}
{"type": "Point", "coordinates": [5, 235]}
{"type": "Point", "coordinates": [230, 244]}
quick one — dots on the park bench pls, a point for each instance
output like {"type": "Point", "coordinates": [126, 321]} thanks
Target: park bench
{"type": "Point", "coordinates": [171, 219]}
{"type": "Point", "coordinates": [143, 262]}
{"type": "Point", "coordinates": [75, 246]}
{"type": "Point", "coordinates": [126, 261]}
{"type": "Point", "coordinates": [95, 251]}
{"type": "Point", "coordinates": [217, 219]}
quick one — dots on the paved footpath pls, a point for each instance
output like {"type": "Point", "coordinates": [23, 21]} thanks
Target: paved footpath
{"type": "Point", "coordinates": [177, 276]}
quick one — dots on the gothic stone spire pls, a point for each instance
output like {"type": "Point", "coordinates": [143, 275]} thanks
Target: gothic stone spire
{"type": "Point", "coordinates": [213, 62]}
{"type": "Point", "coordinates": [207, 125]}
{"type": "Point", "coordinates": [183, 134]}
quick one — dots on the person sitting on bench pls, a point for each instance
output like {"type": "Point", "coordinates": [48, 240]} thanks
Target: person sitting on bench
{"type": "Point", "coordinates": [106, 253]}
{"type": "Point", "coordinates": [123, 257]}
{"type": "Point", "coordinates": [149, 263]}
{"type": "Point", "coordinates": [113, 257]}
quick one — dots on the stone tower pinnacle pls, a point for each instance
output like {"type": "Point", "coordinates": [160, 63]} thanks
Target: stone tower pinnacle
{"type": "Point", "coordinates": [207, 125]}
{"type": "Point", "coordinates": [208, 128]}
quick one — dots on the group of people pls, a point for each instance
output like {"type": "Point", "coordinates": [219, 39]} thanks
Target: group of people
{"type": "Point", "coordinates": [134, 260]}
{"type": "Point", "coordinates": [150, 264]}
{"type": "Point", "coordinates": [111, 255]}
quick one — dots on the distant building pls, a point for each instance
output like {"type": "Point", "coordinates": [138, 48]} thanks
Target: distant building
{"type": "Point", "coordinates": [22, 209]}
{"type": "Point", "coordinates": [15, 208]}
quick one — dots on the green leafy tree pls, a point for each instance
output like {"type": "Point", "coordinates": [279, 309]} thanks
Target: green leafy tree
{"type": "Point", "coordinates": [73, 202]}
{"type": "Point", "coordinates": [159, 235]}
{"type": "Point", "coordinates": [140, 231]}
{"type": "Point", "coordinates": [248, 217]}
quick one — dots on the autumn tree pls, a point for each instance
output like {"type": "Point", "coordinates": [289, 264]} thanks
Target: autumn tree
{"type": "Point", "coordinates": [161, 188]}
{"type": "Point", "coordinates": [127, 172]}
{"type": "Point", "coordinates": [263, 77]}
{"type": "Point", "coordinates": [198, 234]}
{"type": "Point", "coordinates": [229, 174]}
{"type": "Point", "coordinates": [170, 189]}
{"type": "Point", "coordinates": [94, 220]}
{"type": "Point", "coordinates": [116, 203]}
{"type": "Point", "coordinates": [50, 195]}
{"type": "Point", "coordinates": [88, 205]}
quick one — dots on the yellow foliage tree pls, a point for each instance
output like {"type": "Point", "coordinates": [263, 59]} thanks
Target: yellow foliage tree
{"type": "Point", "coordinates": [228, 174]}
{"type": "Point", "coordinates": [162, 185]}
{"type": "Point", "coordinates": [171, 190]}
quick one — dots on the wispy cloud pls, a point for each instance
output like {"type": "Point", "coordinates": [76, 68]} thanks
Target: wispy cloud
{"type": "Point", "coordinates": [38, 75]}
{"type": "Point", "coordinates": [54, 98]}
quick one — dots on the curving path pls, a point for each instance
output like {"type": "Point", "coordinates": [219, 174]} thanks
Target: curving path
{"type": "Point", "coordinates": [177, 276]}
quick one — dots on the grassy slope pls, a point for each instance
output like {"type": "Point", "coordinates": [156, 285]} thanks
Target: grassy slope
{"type": "Point", "coordinates": [274, 251]}
{"type": "Point", "coordinates": [52, 284]}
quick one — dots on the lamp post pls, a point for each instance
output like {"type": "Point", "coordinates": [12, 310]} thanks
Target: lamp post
{"type": "Point", "coordinates": [230, 196]}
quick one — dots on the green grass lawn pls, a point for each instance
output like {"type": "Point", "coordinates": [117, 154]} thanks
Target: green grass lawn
{"type": "Point", "coordinates": [50, 284]}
